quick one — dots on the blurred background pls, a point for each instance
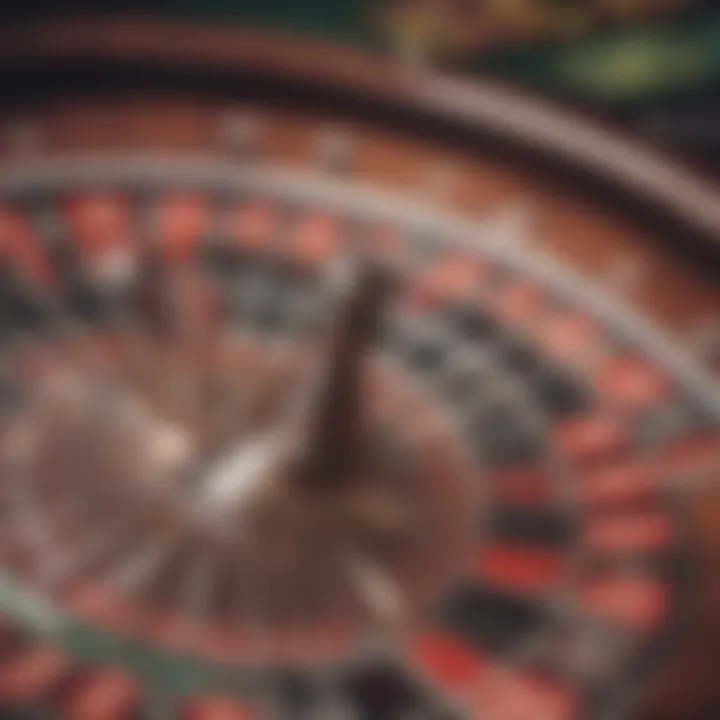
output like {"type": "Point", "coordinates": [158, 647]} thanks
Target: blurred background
{"type": "Point", "coordinates": [652, 66]}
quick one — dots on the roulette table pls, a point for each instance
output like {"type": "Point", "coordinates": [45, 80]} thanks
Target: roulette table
{"type": "Point", "coordinates": [338, 389]}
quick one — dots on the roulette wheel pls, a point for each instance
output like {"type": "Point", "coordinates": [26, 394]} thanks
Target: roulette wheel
{"type": "Point", "coordinates": [333, 389]}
